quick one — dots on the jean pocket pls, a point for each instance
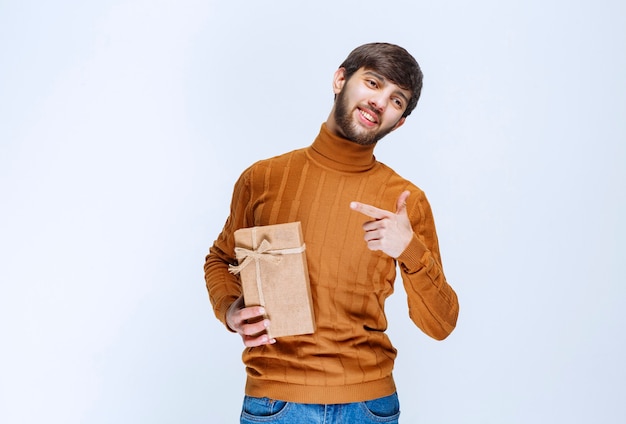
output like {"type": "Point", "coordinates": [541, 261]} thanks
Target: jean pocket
{"type": "Point", "coordinates": [262, 409]}
{"type": "Point", "coordinates": [387, 407]}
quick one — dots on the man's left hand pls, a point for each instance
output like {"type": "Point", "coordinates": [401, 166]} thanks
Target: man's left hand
{"type": "Point", "coordinates": [388, 232]}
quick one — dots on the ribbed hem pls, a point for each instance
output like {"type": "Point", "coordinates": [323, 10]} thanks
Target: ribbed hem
{"type": "Point", "coordinates": [412, 259]}
{"type": "Point", "coordinates": [320, 394]}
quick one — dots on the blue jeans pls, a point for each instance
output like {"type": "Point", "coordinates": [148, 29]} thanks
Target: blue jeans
{"type": "Point", "coordinates": [264, 410]}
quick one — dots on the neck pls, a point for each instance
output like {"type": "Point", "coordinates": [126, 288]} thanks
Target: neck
{"type": "Point", "coordinates": [335, 151]}
{"type": "Point", "coordinates": [332, 126]}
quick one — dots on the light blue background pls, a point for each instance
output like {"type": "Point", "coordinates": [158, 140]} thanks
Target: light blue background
{"type": "Point", "coordinates": [124, 124]}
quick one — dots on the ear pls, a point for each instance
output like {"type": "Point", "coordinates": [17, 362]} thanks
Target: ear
{"type": "Point", "coordinates": [339, 80]}
{"type": "Point", "coordinates": [399, 123]}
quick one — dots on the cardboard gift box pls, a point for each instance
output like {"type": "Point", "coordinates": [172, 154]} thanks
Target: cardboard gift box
{"type": "Point", "coordinates": [273, 271]}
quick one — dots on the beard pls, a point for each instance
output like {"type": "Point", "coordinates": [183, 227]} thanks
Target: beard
{"type": "Point", "coordinates": [350, 129]}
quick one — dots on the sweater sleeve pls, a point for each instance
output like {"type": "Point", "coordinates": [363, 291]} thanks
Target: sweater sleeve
{"type": "Point", "coordinates": [224, 287]}
{"type": "Point", "coordinates": [433, 304]}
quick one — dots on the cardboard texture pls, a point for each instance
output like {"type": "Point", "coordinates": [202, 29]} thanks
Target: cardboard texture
{"type": "Point", "coordinates": [274, 274]}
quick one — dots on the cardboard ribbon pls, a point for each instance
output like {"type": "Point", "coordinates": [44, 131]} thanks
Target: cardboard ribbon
{"type": "Point", "coordinates": [262, 253]}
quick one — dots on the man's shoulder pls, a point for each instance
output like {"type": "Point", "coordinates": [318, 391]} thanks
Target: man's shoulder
{"type": "Point", "coordinates": [395, 179]}
{"type": "Point", "coordinates": [278, 159]}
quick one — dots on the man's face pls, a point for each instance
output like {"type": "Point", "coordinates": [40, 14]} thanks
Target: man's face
{"type": "Point", "coordinates": [367, 106]}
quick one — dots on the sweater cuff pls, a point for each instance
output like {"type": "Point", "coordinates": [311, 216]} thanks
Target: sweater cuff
{"type": "Point", "coordinates": [411, 258]}
{"type": "Point", "coordinates": [223, 310]}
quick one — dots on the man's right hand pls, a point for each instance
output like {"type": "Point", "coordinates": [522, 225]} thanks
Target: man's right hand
{"type": "Point", "coordinates": [249, 323]}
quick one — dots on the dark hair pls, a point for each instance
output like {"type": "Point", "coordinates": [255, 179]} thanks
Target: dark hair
{"type": "Point", "coordinates": [391, 61]}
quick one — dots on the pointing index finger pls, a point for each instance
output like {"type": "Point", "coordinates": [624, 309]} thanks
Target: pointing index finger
{"type": "Point", "coordinates": [369, 210]}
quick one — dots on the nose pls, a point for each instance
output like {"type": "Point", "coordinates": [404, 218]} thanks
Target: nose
{"type": "Point", "coordinates": [378, 102]}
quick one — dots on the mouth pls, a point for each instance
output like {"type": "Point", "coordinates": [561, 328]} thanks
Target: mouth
{"type": "Point", "coordinates": [369, 118]}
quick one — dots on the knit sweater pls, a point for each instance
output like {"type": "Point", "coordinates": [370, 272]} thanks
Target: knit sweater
{"type": "Point", "coordinates": [349, 358]}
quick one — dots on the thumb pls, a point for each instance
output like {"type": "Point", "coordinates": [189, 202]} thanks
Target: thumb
{"type": "Point", "coordinates": [401, 202]}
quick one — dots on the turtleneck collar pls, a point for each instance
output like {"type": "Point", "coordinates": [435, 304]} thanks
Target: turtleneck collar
{"type": "Point", "coordinates": [338, 153]}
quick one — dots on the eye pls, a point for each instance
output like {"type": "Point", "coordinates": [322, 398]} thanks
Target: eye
{"type": "Point", "coordinates": [372, 83]}
{"type": "Point", "coordinates": [398, 102]}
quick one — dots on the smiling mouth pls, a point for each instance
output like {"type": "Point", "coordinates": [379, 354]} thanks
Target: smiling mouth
{"type": "Point", "coordinates": [368, 116]}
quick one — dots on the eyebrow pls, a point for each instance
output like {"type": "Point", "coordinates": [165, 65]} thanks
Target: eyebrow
{"type": "Point", "coordinates": [384, 80]}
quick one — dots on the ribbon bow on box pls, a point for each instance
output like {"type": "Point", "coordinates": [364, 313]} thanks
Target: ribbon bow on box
{"type": "Point", "coordinates": [262, 253]}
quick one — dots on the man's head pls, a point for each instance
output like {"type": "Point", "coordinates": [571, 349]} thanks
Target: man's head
{"type": "Point", "coordinates": [376, 88]}
{"type": "Point", "coordinates": [392, 62]}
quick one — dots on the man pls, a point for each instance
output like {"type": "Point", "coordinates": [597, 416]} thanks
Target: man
{"type": "Point", "coordinates": [361, 221]}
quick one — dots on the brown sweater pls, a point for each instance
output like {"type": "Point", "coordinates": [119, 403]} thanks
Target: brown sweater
{"type": "Point", "coordinates": [349, 358]}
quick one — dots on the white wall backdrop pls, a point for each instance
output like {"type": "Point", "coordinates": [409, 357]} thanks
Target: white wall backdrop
{"type": "Point", "coordinates": [124, 124]}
